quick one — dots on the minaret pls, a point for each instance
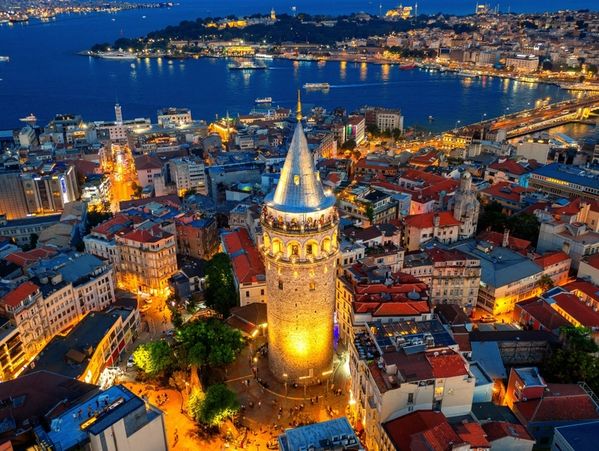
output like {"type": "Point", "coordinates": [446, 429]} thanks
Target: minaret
{"type": "Point", "coordinates": [466, 207]}
{"type": "Point", "coordinates": [299, 221]}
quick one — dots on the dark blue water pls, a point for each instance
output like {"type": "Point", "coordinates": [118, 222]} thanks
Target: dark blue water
{"type": "Point", "coordinates": [45, 76]}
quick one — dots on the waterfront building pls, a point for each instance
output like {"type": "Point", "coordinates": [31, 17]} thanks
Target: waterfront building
{"type": "Point", "coordinates": [534, 149]}
{"type": "Point", "coordinates": [522, 63]}
{"type": "Point", "coordinates": [566, 181]}
{"type": "Point", "coordinates": [399, 367]}
{"type": "Point", "coordinates": [385, 119]}
{"type": "Point", "coordinates": [300, 249]}
{"type": "Point", "coordinates": [248, 268]}
{"type": "Point", "coordinates": [355, 129]}
{"type": "Point", "coordinates": [115, 416]}
{"type": "Point", "coordinates": [146, 260]}
{"type": "Point", "coordinates": [174, 117]}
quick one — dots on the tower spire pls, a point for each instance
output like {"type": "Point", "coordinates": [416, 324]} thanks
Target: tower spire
{"type": "Point", "coordinates": [298, 111]}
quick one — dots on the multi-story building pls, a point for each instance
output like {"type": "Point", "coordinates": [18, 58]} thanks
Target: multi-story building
{"type": "Point", "coordinates": [402, 366]}
{"type": "Point", "coordinates": [248, 268]}
{"type": "Point", "coordinates": [384, 119]}
{"type": "Point", "coordinates": [355, 129]}
{"type": "Point", "coordinates": [188, 174]}
{"type": "Point", "coordinates": [12, 196]}
{"type": "Point", "coordinates": [424, 227]}
{"type": "Point", "coordinates": [101, 240]}
{"type": "Point", "coordinates": [453, 277]}
{"type": "Point", "coordinates": [147, 258]}
{"type": "Point", "coordinates": [21, 230]}
{"type": "Point", "coordinates": [115, 418]}
{"type": "Point", "coordinates": [337, 433]}
{"type": "Point", "coordinates": [566, 181]}
{"type": "Point", "coordinates": [93, 344]}
{"type": "Point", "coordinates": [368, 205]}
{"type": "Point", "coordinates": [174, 117]}
{"type": "Point", "coordinates": [555, 265]}
{"type": "Point", "coordinates": [507, 277]}
{"type": "Point", "coordinates": [522, 63]}
{"type": "Point", "coordinates": [12, 350]}
{"type": "Point", "coordinates": [364, 294]}
{"type": "Point", "coordinates": [575, 239]}
{"type": "Point", "coordinates": [149, 168]}
{"type": "Point", "coordinates": [48, 189]}
{"type": "Point", "coordinates": [196, 237]}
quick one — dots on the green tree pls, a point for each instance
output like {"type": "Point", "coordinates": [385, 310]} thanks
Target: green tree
{"type": "Point", "coordinates": [350, 144]}
{"type": "Point", "coordinates": [153, 357]}
{"type": "Point", "coordinates": [33, 240]}
{"type": "Point", "coordinates": [370, 213]}
{"type": "Point", "coordinates": [208, 343]}
{"type": "Point", "coordinates": [221, 293]}
{"type": "Point", "coordinates": [525, 226]}
{"type": "Point", "coordinates": [219, 404]}
{"type": "Point", "coordinates": [576, 360]}
{"type": "Point", "coordinates": [194, 403]}
{"type": "Point", "coordinates": [95, 217]}
{"type": "Point", "coordinates": [492, 217]}
{"type": "Point", "coordinates": [545, 282]}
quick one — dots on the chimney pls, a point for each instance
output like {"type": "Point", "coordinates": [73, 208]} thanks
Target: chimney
{"type": "Point", "coordinates": [506, 238]}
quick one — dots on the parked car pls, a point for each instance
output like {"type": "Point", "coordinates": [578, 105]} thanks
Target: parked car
{"type": "Point", "coordinates": [487, 319]}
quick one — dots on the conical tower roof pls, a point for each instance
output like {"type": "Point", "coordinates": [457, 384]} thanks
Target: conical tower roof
{"type": "Point", "coordinates": [299, 189]}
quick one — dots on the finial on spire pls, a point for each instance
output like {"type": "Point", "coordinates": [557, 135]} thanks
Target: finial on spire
{"type": "Point", "coordinates": [298, 111]}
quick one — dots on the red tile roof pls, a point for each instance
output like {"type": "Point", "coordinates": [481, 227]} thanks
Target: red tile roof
{"type": "Point", "coordinates": [425, 220]}
{"type": "Point", "coordinates": [446, 364]}
{"type": "Point", "coordinates": [496, 238]}
{"type": "Point", "coordinates": [151, 235]}
{"type": "Point", "coordinates": [593, 261]}
{"type": "Point", "coordinates": [19, 294]}
{"type": "Point", "coordinates": [446, 255]}
{"type": "Point", "coordinates": [401, 308]}
{"type": "Point", "coordinates": [582, 286]}
{"type": "Point", "coordinates": [245, 258]}
{"type": "Point", "coordinates": [421, 430]}
{"type": "Point", "coordinates": [509, 166]}
{"type": "Point", "coordinates": [113, 225]}
{"type": "Point", "coordinates": [472, 433]}
{"type": "Point", "coordinates": [29, 257]}
{"type": "Point", "coordinates": [577, 309]}
{"type": "Point", "coordinates": [543, 313]}
{"type": "Point", "coordinates": [551, 258]}
{"type": "Point", "coordinates": [505, 190]}
{"type": "Point", "coordinates": [560, 402]}
{"type": "Point", "coordinates": [496, 430]}
{"type": "Point", "coordinates": [145, 162]}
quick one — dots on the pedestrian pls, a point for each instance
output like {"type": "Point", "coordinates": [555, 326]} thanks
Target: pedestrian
{"type": "Point", "coordinates": [259, 403]}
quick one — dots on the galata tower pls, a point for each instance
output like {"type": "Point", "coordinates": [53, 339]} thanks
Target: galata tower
{"type": "Point", "coordinates": [299, 222]}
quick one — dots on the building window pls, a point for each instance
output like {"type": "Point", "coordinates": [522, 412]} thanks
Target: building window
{"type": "Point", "coordinates": [295, 250]}
{"type": "Point", "coordinates": [312, 286]}
{"type": "Point", "coordinates": [247, 294]}
{"type": "Point", "coordinates": [280, 284]}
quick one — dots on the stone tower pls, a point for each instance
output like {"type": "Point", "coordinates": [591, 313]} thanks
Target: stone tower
{"type": "Point", "coordinates": [299, 222]}
{"type": "Point", "coordinates": [466, 207]}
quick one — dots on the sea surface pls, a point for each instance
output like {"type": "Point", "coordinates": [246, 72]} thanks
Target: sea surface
{"type": "Point", "coordinates": [45, 76]}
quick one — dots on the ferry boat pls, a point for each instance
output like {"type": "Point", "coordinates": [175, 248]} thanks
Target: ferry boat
{"type": "Point", "coordinates": [247, 65]}
{"type": "Point", "coordinates": [264, 56]}
{"type": "Point", "coordinates": [468, 73]}
{"type": "Point", "coordinates": [4, 59]}
{"type": "Point", "coordinates": [315, 86]}
{"type": "Point", "coordinates": [117, 55]}
{"type": "Point", "coordinates": [262, 100]}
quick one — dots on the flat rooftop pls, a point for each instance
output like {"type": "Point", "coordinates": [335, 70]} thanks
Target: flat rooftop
{"type": "Point", "coordinates": [326, 435]}
{"type": "Point", "coordinates": [92, 416]}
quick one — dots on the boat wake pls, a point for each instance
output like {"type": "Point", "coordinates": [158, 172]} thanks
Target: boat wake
{"type": "Point", "coordinates": [361, 85]}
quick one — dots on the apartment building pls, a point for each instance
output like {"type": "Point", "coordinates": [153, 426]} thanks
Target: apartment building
{"type": "Point", "coordinates": [452, 276]}
{"type": "Point", "coordinates": [507, 277]}
{"type": "Point", "coordinates": [147, 258]}
{"type": "Point", "coordinates": [188, 173]}
{"type": "Point", "coordinates": [403, 366]}
{"type": "Point", "coordinates": [364, 294]}
{"type": "Point", "coordinates": [196, 236]}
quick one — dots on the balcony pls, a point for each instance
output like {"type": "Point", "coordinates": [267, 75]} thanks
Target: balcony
{"type": "Point", "coordinates": [300, 225]}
